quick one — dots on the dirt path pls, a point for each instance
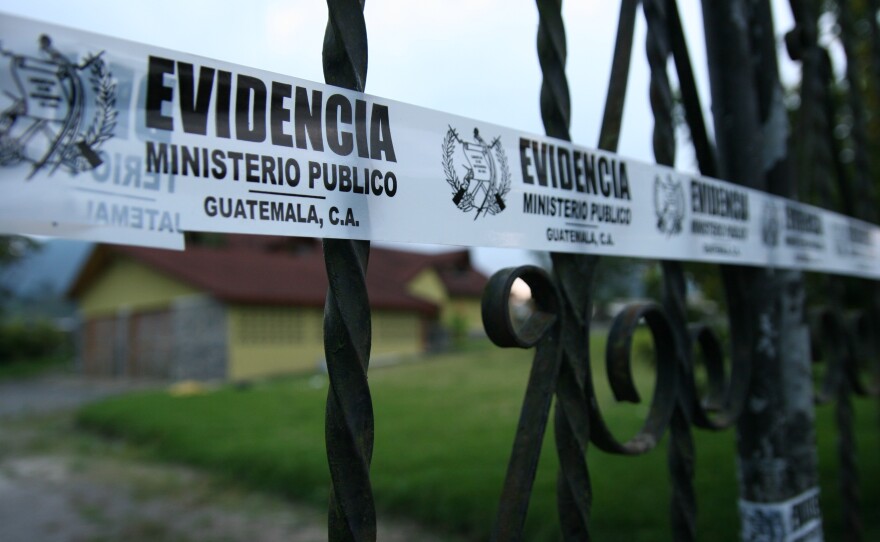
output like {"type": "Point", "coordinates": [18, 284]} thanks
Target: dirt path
{"type": "Point", "coordinates": [58, 391]}
{"type": "Point", "coordinates": [60, 484]}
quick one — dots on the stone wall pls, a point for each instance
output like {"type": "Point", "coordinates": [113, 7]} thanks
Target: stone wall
{"type": "Point", "coordinates": [200, 339]}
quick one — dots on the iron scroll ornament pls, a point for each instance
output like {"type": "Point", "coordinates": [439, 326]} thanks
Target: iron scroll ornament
{"type": "Point", "coordinates": [542, 330]}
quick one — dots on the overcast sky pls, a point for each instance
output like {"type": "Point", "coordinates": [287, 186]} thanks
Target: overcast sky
{"type": "Point", "coordinates": [474, 58]}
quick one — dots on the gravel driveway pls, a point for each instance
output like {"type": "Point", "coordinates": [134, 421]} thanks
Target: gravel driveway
{"type": "Point", "coordinates": [58, 392]}
{"type": "Point", "coordinates": [59, 484]}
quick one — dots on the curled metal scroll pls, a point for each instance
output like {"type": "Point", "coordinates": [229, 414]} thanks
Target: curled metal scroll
{"type": "Point", "coordinates": [541, 329]}
{"type": "Point", "coordinates": [726, 396]}
{"type": "Point", "coordinates": [720, 406]}
{"type": "Point", "coordinates": [618, 362]}
{"type": "Point", "coordinates": [497, 318]}
{"type": "Point", "coordinates": [676, 403]}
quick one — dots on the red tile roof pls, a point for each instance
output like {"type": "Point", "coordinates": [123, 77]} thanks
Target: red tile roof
{"type": "Point", "coordinates": [275, 271]}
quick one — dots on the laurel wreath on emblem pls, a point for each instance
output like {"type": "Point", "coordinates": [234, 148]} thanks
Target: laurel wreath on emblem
{"type": "Point", "coordinates": [73, 145]}
{"type": "Point", "coordinates": [104, 121]}
{"type": "Point", "coordinates": [488, 202]}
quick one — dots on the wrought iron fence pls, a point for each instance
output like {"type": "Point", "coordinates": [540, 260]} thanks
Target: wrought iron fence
{"type": "Point", "coordinates": [767, 395]}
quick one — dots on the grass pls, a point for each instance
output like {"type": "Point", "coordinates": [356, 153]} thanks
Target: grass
{"type": "Point", "coordinates": [444, 429]}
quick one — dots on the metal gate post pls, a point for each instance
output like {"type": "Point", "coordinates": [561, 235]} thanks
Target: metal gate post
{"type": "Point", "coordinates": [775, 433]}
{"type": "Point", "coordinates": [347, 330]}
{"type": "Point", "coordinates": [574, 275]}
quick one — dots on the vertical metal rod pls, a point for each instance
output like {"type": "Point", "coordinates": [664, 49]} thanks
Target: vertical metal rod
{"type": "Point", "coordinates": [681, 447]}
{"type": "Point", "coordinates": [814, 163]}
{"type": "Point", "coordinates": [846, 453]}
{"type": "Point", "coordinates": [347, 330]}
{"type": "Point", "coordinates": [540, 330]}
{"type": "Point", "coordinates": [690, 98]}
{"type": "Point", "coordinates": [865, 204]}
{"type": "Point", "coordinates": [812, 155]}
{"type": "Point", "coordinates": [609, 134]}
{"type": "Point", "coordinates": [574, 275]}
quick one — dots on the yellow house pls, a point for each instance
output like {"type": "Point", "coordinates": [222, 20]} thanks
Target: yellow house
{"type": "Point", "coordinates": [243, 307]}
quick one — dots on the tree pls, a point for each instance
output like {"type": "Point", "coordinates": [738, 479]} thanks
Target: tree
{"type": "Point", "coordinates": [12, 249]}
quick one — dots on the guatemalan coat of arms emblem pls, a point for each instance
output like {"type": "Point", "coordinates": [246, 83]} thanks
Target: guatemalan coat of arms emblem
{"type": "Point", "coordinates": [55, 113]}
{"type": "Point", "coordinates": [477, 173]}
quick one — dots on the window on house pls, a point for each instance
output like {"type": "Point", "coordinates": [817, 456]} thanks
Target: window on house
{"type": "Point", "coordinates": [394, 327]}
{"type": "Point", "coordinates": [271, 325]}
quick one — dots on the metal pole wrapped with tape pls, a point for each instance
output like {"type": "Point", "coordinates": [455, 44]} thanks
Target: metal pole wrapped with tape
{"type": "Point", "coordinates": [775, 433]}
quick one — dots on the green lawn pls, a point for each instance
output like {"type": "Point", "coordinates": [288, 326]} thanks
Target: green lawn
{"type": "Point", "coordinates": [444, 429]}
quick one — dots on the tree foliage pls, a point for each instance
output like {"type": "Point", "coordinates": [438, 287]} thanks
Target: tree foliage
{"type": "Point", "coordinates": [12, 249]}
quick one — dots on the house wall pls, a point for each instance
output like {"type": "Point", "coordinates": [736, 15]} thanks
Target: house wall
{"type": "Point", "coordinates": [397, 332]}
{"type": "Point", "coordinates": [468, 310]}
{"type": "Point", "coordinates": [127, 285]}
{"type": "Point", "coordinates": [428, 286]}
{"type": "Point", "coordinates": [271, 340]}
{"type": "Point", "coordinates": [274, 340]}
{"type": "Point", "coordinates": [201, 338]}
{"type": "Point", "coordinates": [140, 323]}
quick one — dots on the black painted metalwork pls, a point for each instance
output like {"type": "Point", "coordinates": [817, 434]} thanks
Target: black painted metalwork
{"type": "Point", "coordinates": [777, 458]}
{"type": "Point", "coordinates": [572, 425]}
{"type": "Point", "coordinates": [347, 330]}
{"type": "Point", "coordinates": [837, 339]}
{"type": "Point", "coordinates": [768, 340]}
{"type": "Point", "coordinates": [834, 344]}
{"type": "Point", "coordinates": [681, 446]}
{"type": "Point", "coordinates": [541, 330]}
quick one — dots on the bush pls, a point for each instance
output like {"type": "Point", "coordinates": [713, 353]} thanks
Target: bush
{"type": "Point", "coordinates": [25, 341]}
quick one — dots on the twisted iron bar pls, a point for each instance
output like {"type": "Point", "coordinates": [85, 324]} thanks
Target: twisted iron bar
{"type": "Point", "coordinates": [347, 329]}
{"type": "Point", "coordinates": [866, 197]}
{"type": "Point", "coordinates": [817, 154]}
{"type": "Point", "coordinates": [574, 275]}
{"type": "Point", "coordinates": [725, 401]}
{"type": "Point", "coordinates": [675, 404]}
{"type": "Point", "coordinates": [681, 447]}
